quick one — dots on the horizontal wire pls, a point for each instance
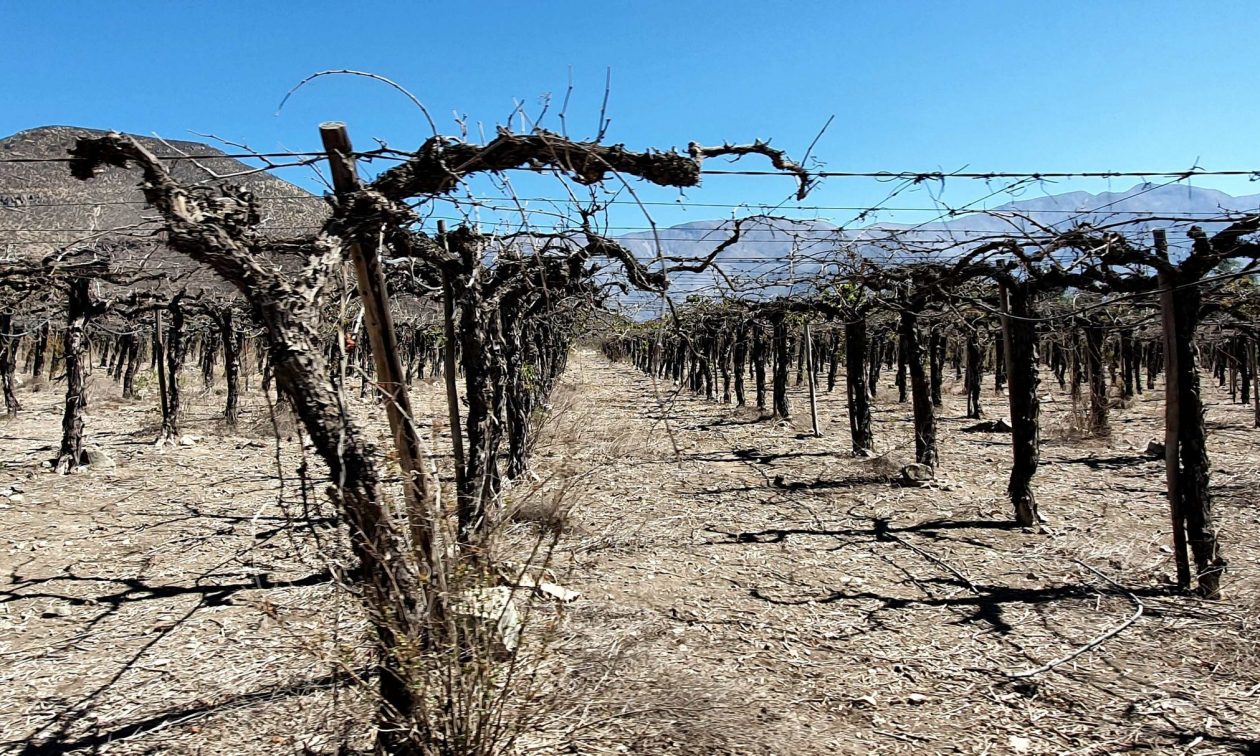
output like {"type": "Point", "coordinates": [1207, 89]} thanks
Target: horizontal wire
{"type": "Point", "coordinates": [919, 235]}
{"type": "Point", "coordinates": [661, 203]}
{"type": "Point", "coordinates": [1035, 175]}
{"type": "Point", "coordinates": [885, 174]}
{"type": "Point", "coordinates": [229, 156]}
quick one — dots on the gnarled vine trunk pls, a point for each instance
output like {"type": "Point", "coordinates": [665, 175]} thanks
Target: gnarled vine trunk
{"type": "Point", "coordinates": [1194, 468]}
{"type": "Point", "coordinates": [782, 357]}
{"type": "Point", "coordinates": [759, 365]}
{"type": "Point", "coordinates": [79, 310]}
{"type": "Point", "coordinates": [924, 413]}
{"type": "Point", "coordinates": [129, 371]}
{"type": "Point", "coordinates": [855, 373]}
{"type": "Point", "coordinates": [175, 350]}
{"type": "Point", "coordinates": [1097, 378]}
{"type": "Point", "coordinates": [231, 365]}
{"type": "Point", "coordinates": [8, 349]}
{"type": "Point", "coordinates": [936, 363]}
{"type": "Point", "coordinates": [1020, 334]}
{"type": "Point", "coordinates": [40, 351]}
{"type": "Point", "coordinates": [974, 377]}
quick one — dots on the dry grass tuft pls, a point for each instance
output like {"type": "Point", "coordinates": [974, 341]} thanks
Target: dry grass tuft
{"type": "Point", "coordinates": [550, 514]}
{"type": "Point", "coordinates": [276, 420]}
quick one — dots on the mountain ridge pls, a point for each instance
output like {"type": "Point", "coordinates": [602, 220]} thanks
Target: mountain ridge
{"type": "Point", "coordinates": [794, 249]}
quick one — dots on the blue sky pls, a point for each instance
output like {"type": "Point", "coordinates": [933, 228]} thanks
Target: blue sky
{"type": "Point", "coordinates": [913, 85]}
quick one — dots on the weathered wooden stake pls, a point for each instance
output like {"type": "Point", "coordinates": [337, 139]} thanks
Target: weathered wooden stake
{"type": "Point", "coordinates": [159, 356]}
{"type": "Point", "coordinates": [448, 369]}
{"type": "Point", "coordinates": [1172, 417]}
{"type": "Point", "coordinates": [1004, 302]}
{"type": "Point", "coordinates": [813, 388]}
{"type": "Point", "coordinates": [421, 489]}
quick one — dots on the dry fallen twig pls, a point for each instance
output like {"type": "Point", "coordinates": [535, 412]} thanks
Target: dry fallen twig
{"type": "Point", "coordinates": [1097, 641]}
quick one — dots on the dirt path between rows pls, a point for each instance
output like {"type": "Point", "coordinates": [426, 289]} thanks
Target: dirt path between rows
{"type": "Point", "coordinates": [771, 594]}
{"type": "Point", "coordinates": [745, 588]}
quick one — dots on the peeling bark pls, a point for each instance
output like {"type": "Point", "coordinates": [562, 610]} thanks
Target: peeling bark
{"type": "Point", "coordinates": [1098, 424]}
{"type": "Point", "coordinates": [859, 402]}
{"type": "Point", "coordinates": [924, 413]}
{"type": "Point", "coordinates": [1021, 337]}
{"type": "Point", "coordinates": [79, 310]}
{"type": "Point", "coordinates": [759, 365]}
{"type": "Point", "coordinates": [231, 365]}
{"type": "Point", "coordinates": [782, 357]}
{"type": "Point", "coordinates": [741, 360]}
{"type": "Point", "coordinates": [8, 347]}
{"type": "Point", "coordinates": [974, 377]}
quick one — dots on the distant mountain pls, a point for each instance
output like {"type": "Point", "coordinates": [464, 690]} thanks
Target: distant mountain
{"type": "Point", "coordinates": [43, 208]}
{"type": "Point", "coordinates": [1063, 211]}
{"type": "Point", "coordinates": [788, 252]}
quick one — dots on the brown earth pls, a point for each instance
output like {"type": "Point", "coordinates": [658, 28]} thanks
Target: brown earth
{"type": "Point", "coordinates": [746, 588]}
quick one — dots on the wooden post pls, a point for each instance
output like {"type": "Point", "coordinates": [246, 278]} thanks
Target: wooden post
{"type": "Point", "coordinates": [1255, 371]}
{"type": "Point", "coordinates": [1172, 415]}
{"type": "Point", "coordinates": [448, 367]}
{"type": "Point", "coordinates": [421, 490]}
{"type": "Point", "coordinates": [1004, 302]}
{"type": "Point", "coordinates": [159, 356]}
{"type": "Point", "coordinates": [813, 388]}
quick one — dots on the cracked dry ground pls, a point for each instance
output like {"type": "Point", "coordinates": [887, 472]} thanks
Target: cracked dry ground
{"type": "Point", "coordinates": [771, 594]}
{"type": "Point", "coordinates": [746, 588]}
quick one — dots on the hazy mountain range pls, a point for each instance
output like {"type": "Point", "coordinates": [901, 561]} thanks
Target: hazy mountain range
{"type": "Point", "coordinates": [787, 251]}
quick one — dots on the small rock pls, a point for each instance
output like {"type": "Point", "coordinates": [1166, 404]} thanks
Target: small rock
{"type": "Point", "coordinates": [17, 499]}
{"type": "Point", "coordinates": [187, 440]}
{"type": "Point", "coordinates": [865, 702]}
{"type": "Point", "coordinates": [99, 458]}
{"type": "Point", "coordinates": [1020, 744]}
{"type": "Point", "coordinates": [546, 589]}
{"type": "Point", "coordinates": [558, 592]}
{"type": "Point", "coordinates": [917, 474]}
{"type": "Point", "coordinates": [490, 619]}
{"type": "Point", "coordinates": [916, 698]}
